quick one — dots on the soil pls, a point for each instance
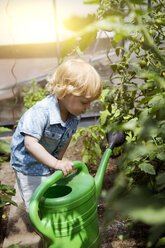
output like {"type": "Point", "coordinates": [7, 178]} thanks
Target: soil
{"type": "Point", "coordinates": [8, 178]}
{"type": "Point", "coordinates": [111, 233]}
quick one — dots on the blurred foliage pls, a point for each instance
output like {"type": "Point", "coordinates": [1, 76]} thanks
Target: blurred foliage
{"type": "Point", "coordinates": [92, 138]}
{"type": "Point", "coordinates": [5, 192]}
{"type": "Point", "coordinates": [133, 100]}
{"type": "Point", "coordinates": [4, 146]}
{"type": "Point", "coordinates": [33, 94]}
{"type": "Point", "coordinates": [76, 23]}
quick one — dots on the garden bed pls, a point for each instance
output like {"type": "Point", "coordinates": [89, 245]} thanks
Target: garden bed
{"type": "Point", "coordinates": [111, 235]}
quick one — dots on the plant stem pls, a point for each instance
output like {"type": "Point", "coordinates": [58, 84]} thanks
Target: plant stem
{"type": "Point", "coordinates": [148, 39]}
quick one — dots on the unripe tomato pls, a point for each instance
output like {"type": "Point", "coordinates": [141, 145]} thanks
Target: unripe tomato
{"type": "Point", "coordinates": [142, 63]}
{"type": "Point", "coordinates": [137, 50]}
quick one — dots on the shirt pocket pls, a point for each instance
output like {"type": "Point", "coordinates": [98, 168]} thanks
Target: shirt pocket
{"type": "Point", "coordinates": [51, 140]}
{"type": "Point", "coordinates": [52, 136]}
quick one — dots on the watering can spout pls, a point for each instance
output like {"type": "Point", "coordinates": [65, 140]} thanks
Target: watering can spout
{"type": "Point", "coordinates": [114, 140]}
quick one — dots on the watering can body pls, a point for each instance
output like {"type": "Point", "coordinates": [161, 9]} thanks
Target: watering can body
{"type": "Point", "coordinates": [64, 210]}
{"type": "Point", "coordinates": [68, 210]}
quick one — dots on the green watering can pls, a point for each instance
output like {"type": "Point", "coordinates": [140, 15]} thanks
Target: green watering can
{"type": "Point", "coordinates": [64, 209]}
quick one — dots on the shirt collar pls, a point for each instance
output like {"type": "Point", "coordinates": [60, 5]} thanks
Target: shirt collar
{"type": "Point", "coordinates": [54, 112]}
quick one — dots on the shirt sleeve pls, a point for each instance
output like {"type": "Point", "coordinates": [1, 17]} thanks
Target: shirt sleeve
{"type": "Point", "coordinates": [33, 122]}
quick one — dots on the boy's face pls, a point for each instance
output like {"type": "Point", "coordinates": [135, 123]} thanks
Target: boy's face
{"type": "Point", "coordinates": [75, 105]}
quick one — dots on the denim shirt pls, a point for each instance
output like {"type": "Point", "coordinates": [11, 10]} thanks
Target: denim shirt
{"type": "Point", "coordinates": [42, 121]}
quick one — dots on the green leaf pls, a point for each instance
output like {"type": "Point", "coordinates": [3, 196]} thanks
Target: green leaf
{"type": "Point", "coordinates": [160, 181]}
{"type": "Point", "coordinates": [149, 215]}
{"type": "Point", "coordinates": [7, 189]}
{"type": "Point", "coordinates": [3, 158]}
{"type": "Point", "coordinates": [67, 46]}
{"type": "Point", "coordinates": [118, 49]}
{"type": "Point", "coordinates": [147, 167]}
{"type": "Point", "coordinates": [76, 23]}
{"type": "Point", "coordinates": [103, 115]}
{"type": "Point", "coordinates": [86, 159]}
{"type": "Point", "coordinates": [6, 199]}
{"type": "Point", "coordinates": [138, 152]}
{"type": "Point", "coordinates": [117, 113]}
{"type": "Point", "coordinates": [161, 242]}
{"type": "Point", "coordinates": [4, 147]}
{"type": "Point", "coordinates": [156, 231]}
{"type": "Point", "coordinates": [140, 205]}
{"type": "Point", "coordinates": [161, 156]}
{"type": "Point", "coordinates": [87, 39]}
{"type": "Point", "coordinates": [114, 43]}
{"type": "Point", "coordinates": [130, 125]}
{"type": "Point", "coordinates": [114, 67]}
{"type": "Point", "coordinates": [158, 100]}
{"type": "Point", "coordinates": [97, 149]}
{"type": "Point", "coordinates": [118, 37]}
{"type": "Point", "coordinates": [104, 93]}
{"type": "Point", "coordinates": [5, 129]}
{"type": "Point", "coordinates": [139, 2]}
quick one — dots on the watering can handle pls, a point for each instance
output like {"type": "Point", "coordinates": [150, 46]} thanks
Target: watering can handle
{"type": "Point", "coordinates": [41, 189]}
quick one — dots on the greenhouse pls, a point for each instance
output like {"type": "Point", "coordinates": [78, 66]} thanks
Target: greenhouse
{"type": "Point", "coordinates": [82, 123]}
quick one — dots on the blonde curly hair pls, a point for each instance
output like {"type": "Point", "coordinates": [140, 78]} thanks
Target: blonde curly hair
{"type": "Point", "coordinates": [76, 77]}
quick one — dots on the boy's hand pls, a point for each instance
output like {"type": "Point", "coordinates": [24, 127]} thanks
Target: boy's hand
{"type": "Point", "coordinates": [40, 154]}
{"type": "Point", "coordinates": [65, 165]}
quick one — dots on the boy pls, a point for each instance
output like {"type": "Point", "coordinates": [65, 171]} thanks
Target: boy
{"type": "Point", "coordinates": [45, 130]}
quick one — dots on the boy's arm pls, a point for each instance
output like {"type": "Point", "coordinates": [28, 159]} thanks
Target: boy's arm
{"type": "Point", "coordinates": [40, 154]}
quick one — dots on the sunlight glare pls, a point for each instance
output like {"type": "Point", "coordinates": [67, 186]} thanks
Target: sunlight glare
{"type": "Point", "coordinates": [32, 22]}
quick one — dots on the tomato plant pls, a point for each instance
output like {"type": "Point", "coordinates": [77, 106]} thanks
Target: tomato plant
{"type": "Point", "coordinates": [5, 192]}
{"type": "Point", "coordinates": [93, 138]}
{"type": "Point", "coordinates": [133, 100]}
{"type": "Point", "coordinates": [33, 94]}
